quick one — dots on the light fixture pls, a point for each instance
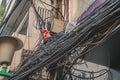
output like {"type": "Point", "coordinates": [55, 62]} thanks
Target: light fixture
{"type": "Point", "coordinates": [8, 45]}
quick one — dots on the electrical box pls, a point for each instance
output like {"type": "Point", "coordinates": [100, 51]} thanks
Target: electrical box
{"type": "Point", "coordinates": [58, 26]}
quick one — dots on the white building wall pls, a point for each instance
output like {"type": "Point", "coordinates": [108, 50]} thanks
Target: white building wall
{"type": "Point", "coordinates": [77, 7]}
{"type": "Point", "coordinates": [33, 35]}
{"type": "Point", "coordinates": [0, 1]}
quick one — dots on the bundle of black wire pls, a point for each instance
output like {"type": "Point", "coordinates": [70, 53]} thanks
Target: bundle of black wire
{"type": "Point", "coordinates": [89, 32]}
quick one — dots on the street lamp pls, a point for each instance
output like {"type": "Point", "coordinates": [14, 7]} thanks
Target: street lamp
{"type": "Point", "coordinates": [8, 45]}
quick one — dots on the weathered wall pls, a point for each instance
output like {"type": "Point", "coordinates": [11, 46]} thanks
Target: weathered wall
{"type": "Point", "coordinates": [32, 36]}
{"type": "Point", "coordinates": [77, 7]}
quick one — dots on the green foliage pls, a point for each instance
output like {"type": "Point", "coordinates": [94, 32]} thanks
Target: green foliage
{"type": "Point", "coordinates": [0, 21]}
{"type": "Point", "coordinates": [2, 9]}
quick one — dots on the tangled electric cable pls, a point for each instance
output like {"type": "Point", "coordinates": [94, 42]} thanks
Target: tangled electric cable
{"type": "Point", "coordinates": [89, 32]}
